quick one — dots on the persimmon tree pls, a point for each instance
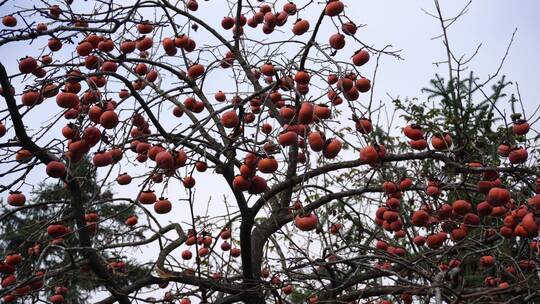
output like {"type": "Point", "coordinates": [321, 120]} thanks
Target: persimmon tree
{"type": "Point", "coordinates": [323, 202]}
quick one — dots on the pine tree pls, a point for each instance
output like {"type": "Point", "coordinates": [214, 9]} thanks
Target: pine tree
{"type": "Point", "coordinates": [23, 229]}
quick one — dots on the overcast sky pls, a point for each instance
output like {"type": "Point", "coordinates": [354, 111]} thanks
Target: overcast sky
{"type": "Point", "coordinates": [407, 27]}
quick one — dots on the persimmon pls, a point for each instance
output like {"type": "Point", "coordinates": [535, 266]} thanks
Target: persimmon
{"type": "Point", "coordinates": [84, 48]}
{"type": "Point", "coordinates": [109, 119]}
{"type": "Point", "coordinates": [67, 100]}
{"type": "Point", "coordinates": [142, 147]}
{"type": "Point", "coordinates": [498, 196]}
{"type": "Point", "coordinates": [435, 241]}
{"type": "Point", "coordinates": [302, 77]}
{"type": "Point", "coordinates": [8, 281]}
{"type": "Point", "coordinates": [145, 27]}
{"type": "Point", "coordinates": [9, 21]}
{"type": "Point", "coordinates": [178, 111]}
{"type": "Point", "coordinates": [180, 158]}
{"type": "Point", "coordinates": [267, 165]}
{"type": "Point", "coordinates": [123, 179]}
{"type": "Point", "coordinates": [164, 160]}
{"type": "Point", "coordinates": [405, 183]}
{"type": "Point", "coordinates": [147, 197]}
{"type": "Point", "coordinates": [471, 220]}
{"type": "Point", "coordinates": [389, 187]}
{"type": "Point", "coordinates": [287, 138]}
{"type": "Point", "coordinates": [203, 251]}
{"type": "Point", "coordinates": [162, 206]}
{"type": "Point", "coordinates": [334, 8]}
{"type": "Point", "coordinates": [305, 101]}
{"type": "Point", "coordinates": [413, 132]}
{"type": "Point", "coordinates": [419, 240]}
{"type": "Point", "coordinates": [16, 199]}
{"type": "Point", "coordinates": [393, 202]}
{"type": "Point", "coordinates": [225, 234]}
{"type": "Point", "coordinates": [369, 155]}
{"type": "Point", "coordinates": [287, 112]}
{"type": "Point", "coordinates": [458, 234]}
{"type": "Point", "coordinates": [267, 69]}
{"type": "Point", "coordinates": [247, 171]}
{"type": "Point", "coordinates": [363, 85]}
{"type": "Point", "coordinates": [185, 301]}
{"type": "Point", "coordinates": [334, 228]}
{"type": "Point", "coordinates": [57, 230]}
{"type": "Point", "coordinates": [305, 113]}
{"type": "Point", "coordinates": [518, 155]}
{"type": "Point", "coordinates": [201, 166]}
{"type": "Point", "coordinates": [220, 96]}
{"type": "Point", "coordinates": [290, 8]}
{"type": "Point", "coordinates": [332, 148]}
{"type": "Point", "coordinates": [54, 44]}
{"type": "Point", "coordinates": [360, 57]}
{"type": "Point", "coordinates": [337, 41]}
{"type": "Point", "coordinates": [461, 207]}
{"type": "Point", "coordinates": [265, 8]}
{"type": "Point", "coordinates": [23, 156]}
{"type": "Point", "coordinates": [94, 39]}
{"type": "Point", "coordinates": [345, 84]}
{"type": "Point", "coordinates": [55, 169]}
{"type": "Point", "coordinates": [484, 208]}
{"type": "Point", "coordinates": [41, 27]}
{"type": "Point", "coordinates": [390, 215]}
{"type": "Point", "coordinates": [440, 142]}
{"type": "Point", "coordinates": [504, 150]}
{"type": "Point", "coordinates": [92, 62]}
{"type": "Point", "coordinates": [109, 66]}
{"type": "Point", "coordinates": [116, 154]}
{"type": "Point", "coordinates": [141, 69]}
{"type": "Point", "coordinates": [91, 135]}
{"type": "Point", "coordinates": [487, 261]}
{"type": "Point", "coordinates": [188, 181]}
{"type": "Point", "coordinates": [241, 183]}
{"type": "Point", "coordinates": [27, 65]}
{"type": "Point", "coordinates": [287, 289]}
{"type": "Point", "coordinates": [322, 111]}
{"type": "Point", "coordinates": [364, 125]}
{"type": "Point", "coordinates": [281, 18]}
{"type": "Point", "coordinates": [198, 107]}
{"type": "Point", "coordinates": [195, 71]}
{"type": "Point", "coordinates": [181, 41]}
{"type": "Point", "coordinates": [306, 223]}
{"type": "Point", "coordinates": [192, 5]}
{"type": "Point", "coordinates": [300, 27]}
{"type": "Point", "coordinates": [31, 97]}
{"type": "Point", "coordinates": [102, 159]}
{"type": "Point", "coordinates": [154, 151]}
{"type": "Point", "coordinates": [227, 22]}
{"type": "Point", "coordinates": [270, 19]}
{"type": "Point", "coordinates": [186, 255]}
{"type": "Point", "coordinates": [529, 224]}
{"type": "Point", "coordinates": [144, 43]}
{"type": "Point", "coordinates": [128, 46]}
{"type": "Point", "coordinates": [230, 119]}
{"type": "Point", "coordinates": [50, 90]}
{"type": "Point", "coordinates": [266, 128]}
{"type": "Point", "coordinates": [106, 45]}
{"type": "Point", "coordinates": [520, 127]}
{"type": "Point", "coordinates": [349, 28]}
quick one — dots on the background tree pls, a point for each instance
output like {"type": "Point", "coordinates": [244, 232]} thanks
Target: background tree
{"type": "Point", "coordinates": [324, 201]}
{"type": "Point", "coordinates": [48, 201]}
